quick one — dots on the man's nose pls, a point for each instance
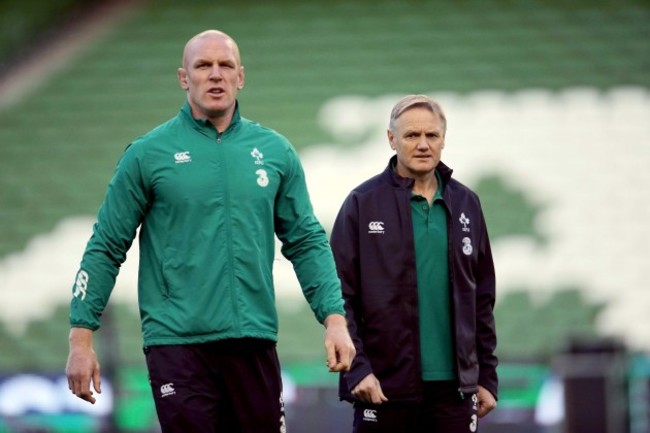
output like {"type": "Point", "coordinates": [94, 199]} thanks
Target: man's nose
{"type": "Point", "coordinates": [215, 73]}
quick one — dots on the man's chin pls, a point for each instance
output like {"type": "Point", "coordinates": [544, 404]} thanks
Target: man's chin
{"type": "Point", "coordinates": [213, 111]}
{"type": "Point", "coordinates": [423, 169]}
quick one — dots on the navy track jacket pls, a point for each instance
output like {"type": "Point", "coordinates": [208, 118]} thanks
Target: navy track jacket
{"type": "Point", "coordinates": [373, 246]}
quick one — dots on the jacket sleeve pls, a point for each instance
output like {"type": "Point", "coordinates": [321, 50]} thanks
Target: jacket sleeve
{"type": "Point", "coordinates": [345, 246]}
{"type": "Point", "coordinates": [305, 243]}
{"type": "Point", "coordinates": [118, 218]}
{"type": "Point", "coordinates": [486, 339]}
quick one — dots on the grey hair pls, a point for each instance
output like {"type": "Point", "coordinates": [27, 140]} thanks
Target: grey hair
{"type": "Point", "coordinates": [413, 101]}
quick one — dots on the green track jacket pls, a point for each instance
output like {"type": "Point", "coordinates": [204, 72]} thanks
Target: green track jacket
{"type": "Point", "coordinates": [208, 205]}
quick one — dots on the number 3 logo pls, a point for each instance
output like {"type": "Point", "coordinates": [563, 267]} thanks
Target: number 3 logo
{"type": "Point", "coordinates": [262, 178]}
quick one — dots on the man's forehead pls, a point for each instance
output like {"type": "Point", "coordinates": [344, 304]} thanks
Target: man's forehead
{"type": "Point", "coordinates": [207, 46]}
{"type": "Point", "coordinates": [423, 120]}
{"type": "Point", "coordinates": [417, 111]}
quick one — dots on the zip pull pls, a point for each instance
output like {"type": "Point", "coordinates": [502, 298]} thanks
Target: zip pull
{"type": "Point", "coordinates": [462, 394]}
{"type": "Point", "coordinates": [219, 137]}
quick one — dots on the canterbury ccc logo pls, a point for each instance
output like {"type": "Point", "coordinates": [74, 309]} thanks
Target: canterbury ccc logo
{"type": "Point", "coordinates": [81, 285]}
{"type": "Point", "coordinates": [181, 157]}
{"type": "Point", "coordinates": [370, 415]}
{"type": "Point", "coordinates": [167, 389]}
{"type": "Point", "coordinates": [376, 227]}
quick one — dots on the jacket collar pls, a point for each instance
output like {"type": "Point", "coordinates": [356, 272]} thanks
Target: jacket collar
{"type": "Point", "coordinates": [204, 125]}
{"type": "Point", "coordinates": [404, 182]}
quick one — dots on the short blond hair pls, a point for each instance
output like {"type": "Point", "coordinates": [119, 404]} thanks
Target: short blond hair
{"type": "Point", "coordinates": [413, 101]}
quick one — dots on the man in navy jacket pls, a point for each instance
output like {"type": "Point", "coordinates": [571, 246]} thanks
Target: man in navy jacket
{"type": "Point", "coordinates": [413, 254]}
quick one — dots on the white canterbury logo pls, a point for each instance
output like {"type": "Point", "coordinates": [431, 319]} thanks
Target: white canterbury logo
{"type": "Point", "coordinates": [182, 157]}
{"type": "Point", "coordinates": [370, 415]}
{"type": "Point", "coordinates": [376, 227]}
{"type": "Point", "coordinates": [81, 285]}
{"type": "Point", "coordinates": [167, 389]}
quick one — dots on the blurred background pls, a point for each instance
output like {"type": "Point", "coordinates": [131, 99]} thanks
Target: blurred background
{"type": "Point", "coordinates": [548, 105]}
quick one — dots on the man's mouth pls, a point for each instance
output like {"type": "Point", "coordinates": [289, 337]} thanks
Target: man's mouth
{"type": "Point", "coordinates": [216, 91]}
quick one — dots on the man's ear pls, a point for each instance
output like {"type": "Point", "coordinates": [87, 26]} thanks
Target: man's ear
{"type": "Point", "coordinates": [391, 139]}
{"type": "Point", "coordinates": [182, 78]}
{"type": "Point", "coordinates": [242, 78]}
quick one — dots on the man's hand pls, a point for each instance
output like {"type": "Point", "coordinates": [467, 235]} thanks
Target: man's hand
{"type": "Point", "coordinates": [82, 366]}
{"type": "Point", "coordinates": [486, 401]}
{"type": "Point", "coordinates": [338, 344]}
{"type": "Point", "coordinates": [369, 390]}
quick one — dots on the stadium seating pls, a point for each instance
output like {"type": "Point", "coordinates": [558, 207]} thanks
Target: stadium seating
{"type": "Point", "coordinates": [60, 142]}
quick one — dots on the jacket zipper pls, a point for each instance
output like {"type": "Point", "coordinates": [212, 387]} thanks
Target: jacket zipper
{"type": "Point", "coordinates": [231, 278]}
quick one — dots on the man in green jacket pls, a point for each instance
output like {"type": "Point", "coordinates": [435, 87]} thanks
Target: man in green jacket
{"type": "Point", "coordinates": [209, 191]}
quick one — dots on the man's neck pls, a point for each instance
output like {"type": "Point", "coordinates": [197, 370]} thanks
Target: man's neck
{"type": "Point", "coordinates": [426, 186]}
{"type": "Point", "coordinates": [221, 123]}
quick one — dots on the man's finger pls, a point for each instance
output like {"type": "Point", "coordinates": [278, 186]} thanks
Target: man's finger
{"type": "Point", "coordinates": [88, 396]}
{"type": "Point", "coordinates": [344, 359]}
{"type": "Point", "coordinates": [331, 356]}
{"type": "Point", "coordinates": [82, 390]}
{"type": "Point", "coordinates": [348, 354]}
{"type": "Point", "coordinates": [97, 381]}
{"type": "Point", "coordinates": [342, 363]}
{"type": "Point", "coordinates": [378, 396]}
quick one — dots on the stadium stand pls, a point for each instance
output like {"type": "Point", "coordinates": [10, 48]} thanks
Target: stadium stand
{"type": "Point", "coordinates": [61, 139]}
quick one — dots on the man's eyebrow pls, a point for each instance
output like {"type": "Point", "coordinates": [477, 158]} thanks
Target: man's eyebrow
{"type": "Point", "coordinates": [419, 130]}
